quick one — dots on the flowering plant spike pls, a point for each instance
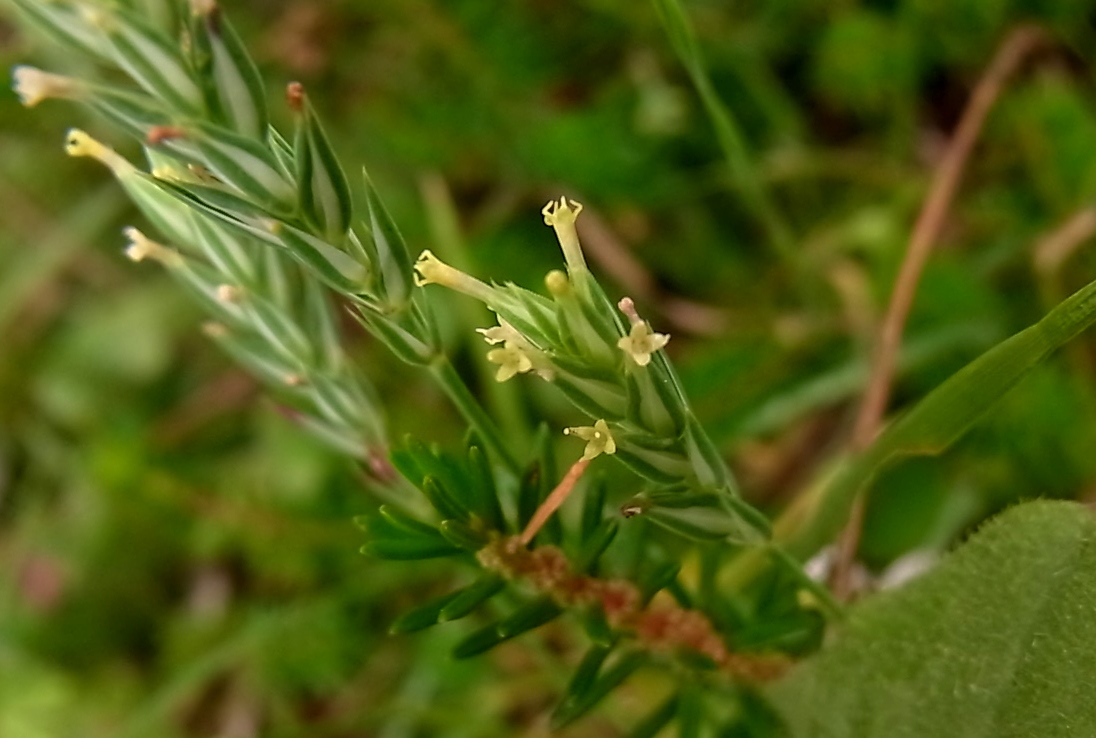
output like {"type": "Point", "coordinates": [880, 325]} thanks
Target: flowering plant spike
{"type": "Point", "coordinates": [264, 231]}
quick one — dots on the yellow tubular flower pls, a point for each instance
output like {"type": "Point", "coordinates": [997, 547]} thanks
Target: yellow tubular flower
{"type": "Point", "coordinates": [432, 270]}
{"type": "Point", "coordinates": [561, 216]}
{"type": "Point", "coordinates": [598, 439]}
{"type": "Point", "coordinates": [78, 143]}
{"type": "Point", "coordinates": [33, 85]}
{"type": "Point", "coordinates": [142, 247]}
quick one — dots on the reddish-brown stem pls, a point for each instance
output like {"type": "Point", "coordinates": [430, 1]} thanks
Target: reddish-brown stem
{"type": "Point", "coordinates": [554, 500]}
{"type": "Point", "coordinates": [945, 182]}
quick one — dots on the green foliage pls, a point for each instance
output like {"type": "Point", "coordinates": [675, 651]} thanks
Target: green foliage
{"type": "Point", "coordinates": [176, 555]}
{"type": "Point", "coordinates": [997, 640]}
{"type": "Point", "coordinates": [949, 410]}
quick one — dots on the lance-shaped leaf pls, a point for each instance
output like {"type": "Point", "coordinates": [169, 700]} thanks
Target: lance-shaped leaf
{"type": "Point", "coordinates": [404, 344]}
{"type": "Point", "coordinates": [942, 417]}
{"type": "Point", "coordinates": [393, 258]}
{"type": "Point", "coordinates": [442, 501]}
{"type": "Point", "coordinates": [393, 535]}
{"type": "Point", "coordinates": [482, 493]}
{"type": "Point", "coordinates": [690, 712]}
{"type": "Point", "coordinates": [529, 617]}
{"type": "Point", "coordinates": [708, 466]}
{"type": "Point", "coordinates": [276, 326]}
{"type": "Point", "coordinates": [656, 578]}
{"type": "Point", "coordinates": [593, 506]}
{"type": "Point", "coordinates": [233, 76]}
{"type": "Point", "coordinates": [585, 675]}
{"type": "Point", "coordinates": [335, 267]}
{"type": "Point", "coordinates": [225, 249]}
{"type": "Point", "coordinates": [342, 398]}
{"type": "Point", "coordinates": [659, 718]}
{"type": "Point", "coordinates": [462, 534]}
{"type": "Point", "coordinates": [477, 642]}
{"type": "Point", "coordinates": [700, 516]}
{"type": "Point", "coordinates": [608, 680]}
{"type": "Point", "coordinates": [597, 626]}
{"type": "Point", "coordinates": [322, 189]}
{"type": "Point", "coordinates": [525, 618]}
{"type": "Point", "coordinates": [594, 545]}
{"type": "Point", "coordinates": [151, 59]}
{"type": "Point", "coordinates": [320, 321]}
{"type": "Point", "coordinates": [155, 202]}
{"type": "Point", "coordinates": [471, 597]}
{"type": "Point", "coordinates": [528, 495]}
{"type": "Point", "coordinates": [423, 616]}
{"type": "Point", "coordinates": [251, 351]}
{"type": "Point", "coordinates": [244, 164]}
{"type": "Point", "coordinates": [64, 23]}
{"type": "Point", "coordinates": [134, 112]}
{"type": "Point", "coordinates": [206, 284]}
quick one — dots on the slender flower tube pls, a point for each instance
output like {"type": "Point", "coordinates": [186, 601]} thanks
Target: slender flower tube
{"type": "Point", "coordinates": [33, 85]}
{"type": "Point", "coordinates": [561, 216]}
{"type": "Point", "coordinates": [78, 143]}
{"type": "Point", "coordinates": [142, 247]}
{"type": "Point", "coordinates": [159, 206]}
{"type": "Point", "coordinates": [432, 270]}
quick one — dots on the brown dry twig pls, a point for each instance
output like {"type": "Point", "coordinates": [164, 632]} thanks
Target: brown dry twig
{"type": "Point", "coordinates": [1055, 248]}
{"type": "Point", "coordinates": [1016, 47]}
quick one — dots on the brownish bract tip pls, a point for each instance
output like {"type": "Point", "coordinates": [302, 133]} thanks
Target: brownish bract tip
{"type": "Point", "coordinates": [158, 134]}
{"type": "Point", "coordinates": [294, 96]}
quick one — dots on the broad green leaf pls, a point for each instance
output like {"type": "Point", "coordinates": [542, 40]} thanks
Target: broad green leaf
{"type": "Point", "coordinates": [999, 641]}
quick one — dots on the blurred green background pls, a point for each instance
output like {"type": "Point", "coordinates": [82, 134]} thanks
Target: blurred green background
{"type": "Point", "coordinates": [177, 558]}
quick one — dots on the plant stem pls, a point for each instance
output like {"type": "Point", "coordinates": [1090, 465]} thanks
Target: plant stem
{"type": "Point", "coordinates": [470, 408]}
{"type": "Point", "coordinates": [820, 592]}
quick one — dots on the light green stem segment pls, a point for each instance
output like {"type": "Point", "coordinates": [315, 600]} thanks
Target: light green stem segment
{"type": "Point", "coordinates": [473, 412]}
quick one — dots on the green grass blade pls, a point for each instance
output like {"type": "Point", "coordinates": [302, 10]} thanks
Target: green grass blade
{"type": "Point", "coordinates": [948, 412]}
{"type": "Point", "coordinates": [735, 150]}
